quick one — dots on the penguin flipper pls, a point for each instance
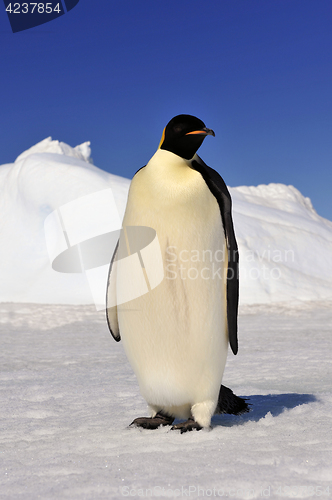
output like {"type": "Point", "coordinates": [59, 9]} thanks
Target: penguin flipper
{"type": "Point", "coordinates": [219, 189]}
{"type": "Point", "coordinates": [111, 309]}
{"type": "Point", "coordinates": [229, 403]}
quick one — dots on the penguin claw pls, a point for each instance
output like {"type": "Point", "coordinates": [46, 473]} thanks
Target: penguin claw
{"type": "Point", "coordinates": [152, 422]}
{"type": "Point", "coordinates": [188, 425]}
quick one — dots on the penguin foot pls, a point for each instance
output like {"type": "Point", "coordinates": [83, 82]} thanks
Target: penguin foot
{"type": "Point", "coordinates": [188, 425]}
{"type": "Point", "coordinates": [160, 419]}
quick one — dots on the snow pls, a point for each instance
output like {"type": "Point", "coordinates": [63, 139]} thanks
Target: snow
{"type": "Point", "coordinates": [66, 388]}
{"type": "Point", "coordinates": [82, 152]}
{"type": "Point", "coordinates": [32, 188]}
{"type": "Point", "coordinates": [285, 246]}
{"type": "Point", "coordinates": [68, 395]}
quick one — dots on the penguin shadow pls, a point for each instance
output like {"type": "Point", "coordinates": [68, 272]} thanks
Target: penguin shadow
{"type": "Point", "coordinates": [260, 406]}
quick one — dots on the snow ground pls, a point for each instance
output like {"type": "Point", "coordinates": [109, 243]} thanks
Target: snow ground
{"type": "Point", "coordinates": [68, 395]}
{"type": "Point", "coordinates": [67, 392]}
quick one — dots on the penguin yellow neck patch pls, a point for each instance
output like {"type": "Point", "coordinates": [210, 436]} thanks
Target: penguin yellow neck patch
{"type": "Point", "coordinates": [162, 138]}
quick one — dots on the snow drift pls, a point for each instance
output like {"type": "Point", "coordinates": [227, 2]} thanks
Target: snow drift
{"type": "Point", "coordinates": [285, 246]}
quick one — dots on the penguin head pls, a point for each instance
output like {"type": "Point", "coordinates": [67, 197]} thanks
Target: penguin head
{"type": "Point", "coordinates": [183, 135]}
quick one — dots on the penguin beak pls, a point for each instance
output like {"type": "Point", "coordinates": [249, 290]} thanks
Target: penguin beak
{"type": "Point", "coordinates": [203, 131]}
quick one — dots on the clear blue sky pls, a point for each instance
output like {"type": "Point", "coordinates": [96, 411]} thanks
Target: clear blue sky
{"type": "Point", "coordinates": [259, 72]}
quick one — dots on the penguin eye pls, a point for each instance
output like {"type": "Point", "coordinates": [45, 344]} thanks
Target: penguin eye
{"type": "Point", "coordinates": [178, 128]}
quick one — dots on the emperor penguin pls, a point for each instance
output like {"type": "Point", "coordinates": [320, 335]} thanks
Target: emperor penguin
{"type": "Point", "coordinates": [176, 335]}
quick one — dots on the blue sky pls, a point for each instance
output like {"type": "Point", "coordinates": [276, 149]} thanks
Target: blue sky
{"type": "Point", "coordinates": [259, 72]}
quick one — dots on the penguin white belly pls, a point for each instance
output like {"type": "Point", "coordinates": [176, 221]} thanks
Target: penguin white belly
{"type": "Point", "coordinates": [175, 336]}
